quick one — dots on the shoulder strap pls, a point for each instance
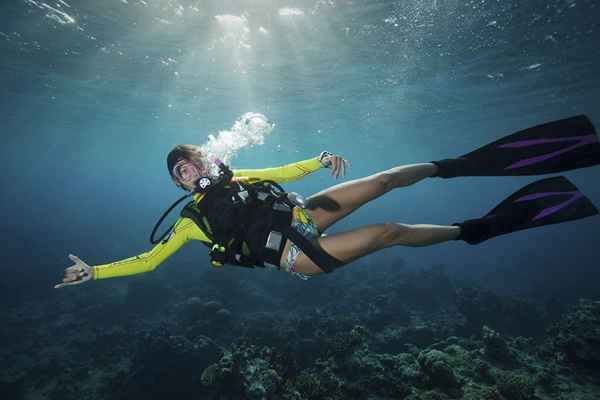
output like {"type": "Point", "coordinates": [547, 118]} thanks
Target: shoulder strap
{"type": "Point", "coordinates": [193, 212]}
{"type": "Point", "coordinates": [218, 257]}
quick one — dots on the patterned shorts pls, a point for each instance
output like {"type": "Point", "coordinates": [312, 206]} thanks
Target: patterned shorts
{"type": "Point", "coordinates": [303, 223]}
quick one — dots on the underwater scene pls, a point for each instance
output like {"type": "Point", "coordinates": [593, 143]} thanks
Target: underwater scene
{"type": "Point", "coordinates": [300, 199]}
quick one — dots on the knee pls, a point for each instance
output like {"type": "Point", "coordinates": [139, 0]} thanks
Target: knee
{"type": "Point", "coordinates": [385, 181]}
{"type": "Point", "coordinates": [394, 233]}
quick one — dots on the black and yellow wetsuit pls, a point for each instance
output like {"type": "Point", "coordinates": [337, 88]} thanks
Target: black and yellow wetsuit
{"type": "Point", "coordinates": [185, 229]}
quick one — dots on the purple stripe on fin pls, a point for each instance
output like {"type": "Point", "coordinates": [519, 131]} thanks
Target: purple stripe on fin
{"type": "Point", "coordinates": [574, 196]}
{"type": "Point", "coordinates": [581, 141]}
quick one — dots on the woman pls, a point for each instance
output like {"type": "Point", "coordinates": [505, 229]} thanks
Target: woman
{"type": "Point", "coordinates": [552, 147]}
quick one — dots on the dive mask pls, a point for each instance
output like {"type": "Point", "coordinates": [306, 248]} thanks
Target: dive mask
{"type": "Point", "coordinates": [189, 172]}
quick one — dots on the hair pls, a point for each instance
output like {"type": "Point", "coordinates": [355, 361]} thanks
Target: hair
{"type": "Point", "coordinates": [190, 152]}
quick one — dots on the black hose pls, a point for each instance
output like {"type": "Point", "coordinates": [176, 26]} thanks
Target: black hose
{"type": "Point", "coordinates": [152, 240]}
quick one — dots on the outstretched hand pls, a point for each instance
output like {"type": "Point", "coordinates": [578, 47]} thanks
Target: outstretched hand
{"type": "Point", "coordinates": [75, 274]}
{"type": "Point", "coordinates": [336, 163]}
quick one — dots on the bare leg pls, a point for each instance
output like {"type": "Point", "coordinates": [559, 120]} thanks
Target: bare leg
{"type": "Point", "coordinates": [348, 196]}
{"type": "Point", "coordinates": [349, 246]}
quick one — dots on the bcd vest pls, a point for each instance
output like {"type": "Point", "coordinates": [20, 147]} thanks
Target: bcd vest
{"type": "Point", "coordinates": [248, 225]}
{"type": "Point", "coordinates": [238, 219]}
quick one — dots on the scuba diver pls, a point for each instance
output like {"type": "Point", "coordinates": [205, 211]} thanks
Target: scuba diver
{"type": "Point", "coordinates": [245, 217]}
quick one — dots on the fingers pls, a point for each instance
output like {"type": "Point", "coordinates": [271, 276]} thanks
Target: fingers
{"type": "Point", "coordinates": [80, 266]}
{"type": "Point", "coordinates": [71, 276]}
{"type": "Point", "coordinates": [76, 270]}
{"type": "Point", "coordinates": [334, 166]}
{"type": "Point", "coordinates": [338, 166]}
{"type": "Point", "coordinates": [73, 279]}
{"type": "Point", "coordinates": [69, 279]}
{"type": "Point", "coordinates": [60, 285]}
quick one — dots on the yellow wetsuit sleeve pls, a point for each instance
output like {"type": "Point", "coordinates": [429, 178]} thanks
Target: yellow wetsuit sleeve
{"type": "Point", "coordinates": [287, 173]}
{"type": "Point", "coordinates": [183, 231]}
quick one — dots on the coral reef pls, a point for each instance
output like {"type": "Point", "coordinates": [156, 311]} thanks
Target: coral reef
{"type": "Point", "coordinates": [460, 345]}
{"type": "Point", "coordinates": [495, 346]}
{"type": "Point", "coordinates": [577, 335]}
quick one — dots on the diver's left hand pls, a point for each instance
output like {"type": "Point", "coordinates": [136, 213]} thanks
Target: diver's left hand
{"type": "Point", "coordinates": [76, 274]}
{"type": "Point", "coordinates": [337, 163]}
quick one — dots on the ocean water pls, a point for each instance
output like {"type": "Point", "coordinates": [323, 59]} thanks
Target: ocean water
{"type": "Point", "coordinates": [95, 94]}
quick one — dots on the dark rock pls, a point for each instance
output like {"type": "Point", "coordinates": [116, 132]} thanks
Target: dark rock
{"type": "Point", "coordinates": [495, 346]}
{"type": "Point", "coordinates": [515, 386]}
{"type": "Point", "coordinates": [577, 335]}
{"type": "Point", "coordinates": [251, 370]}
{"type": "Point", "coordinates": [435, 365]}
{"type": "Point", "coordinates": [211, 307]}
{"type": "Point", "coordinates": [13, 389]}
{"type": "Point", "coordinates": [166, 366]}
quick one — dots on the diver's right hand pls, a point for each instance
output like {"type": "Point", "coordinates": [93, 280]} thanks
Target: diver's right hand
{"type": "Point", "coordinates": [76, 274]}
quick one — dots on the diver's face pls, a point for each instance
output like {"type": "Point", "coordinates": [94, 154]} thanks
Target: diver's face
{"type": "Point", "coordinates": [187, 173]}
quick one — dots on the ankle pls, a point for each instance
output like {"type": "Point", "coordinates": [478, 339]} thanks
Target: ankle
{"type": "Point", "coordinates": [435, 169]}
{"type": "Point", "coordinates": [457, 232]}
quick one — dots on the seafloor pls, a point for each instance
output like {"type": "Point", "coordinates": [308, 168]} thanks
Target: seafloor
{"type": "Point", "coordinates": [234, 335]}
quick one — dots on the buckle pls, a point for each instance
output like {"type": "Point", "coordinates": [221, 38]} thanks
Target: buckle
{"type": "Point", "coordinates": [274, 240]}
{"type": "Point", "coordinates": [243, 195]}
{"type": "Point", "coordinates": [281, 206]}
{"type": "Point", "coordinates": [262, 196]}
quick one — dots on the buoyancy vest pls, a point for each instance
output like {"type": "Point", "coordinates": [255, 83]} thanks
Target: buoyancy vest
{"type": "Point", "coordinates": [238, 219]}
{"type": "Point", "coordinates": [248, 224]}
